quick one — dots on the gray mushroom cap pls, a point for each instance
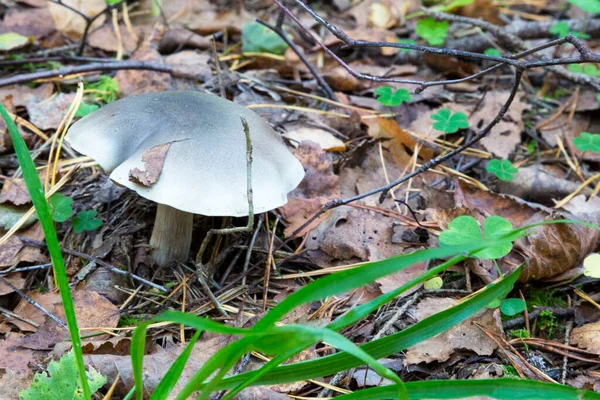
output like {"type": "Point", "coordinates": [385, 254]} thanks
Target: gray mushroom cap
{"type": "Point", "coordinates": [205, 168]}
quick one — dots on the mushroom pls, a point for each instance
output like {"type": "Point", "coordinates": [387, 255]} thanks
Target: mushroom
{"type": "Point", "coordinates": [201, 141]}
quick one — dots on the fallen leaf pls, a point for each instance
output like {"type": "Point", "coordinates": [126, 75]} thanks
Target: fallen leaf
{"type": "Point", "coordinates": [19, 21]}
{"type": "Point", "coordinates": [27, 311]}
{"type": "Point", "coordinates": [153, 159]}
{"type": "Point", "coordinates": [321, 137]}
{"type": "Point", "coordinates": [12, 382]}
{"type": "Point", "coordinates": [587, 337]}
{"type": "Point", "coordinates": [465, 336]}
{"type": "Point", "coordinates": [14, 251]}
{"type": "Point", "coordinates": [22, 94]}
{"type": "Point", "coordinates": [91, 309]}
{"type": "Point", "coordinates": [13, 41]}
{"type": "Point", "coordinates": [190, 64]}
{"type": "Point", "coordinates": [482, 9]}
{"type": "Point", "coordinates": [177, 38]}
{"type": "Point", "coordinates": [70, 23]}
{"type": "Point", "coordinates": [15, 279]}
{"type": "Point", "coordinates": [48, 114]}
{"type": "Point", "coordinates": [104, 38]}
{"type": "Point", "coordinates": [13, 357]}
{"type": "Point", "coordinates": [15, 191]}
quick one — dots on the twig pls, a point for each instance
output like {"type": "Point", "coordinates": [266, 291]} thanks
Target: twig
{"type": "Point", "coordinates": [38, 243]}
{"type": "Point", "coordinates": [520, 321]}
{"type": "Point", "coordinates": [33, 303]}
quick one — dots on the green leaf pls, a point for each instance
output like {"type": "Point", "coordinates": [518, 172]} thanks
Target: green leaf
{"type": "Point", "coordinates": [590, 6]}
{"type": "Point", "coordinates": [36, 191]}
{"type": "Point", "coordinates": [260, 39]}
{"type": "Point", "coordinates": [465, 229]}
{"type": "Point", "coordinates": [492, 52]}
{"type": "Point", "coordinates": [432, 31]}
{"type": "Point", "coordinates": [12, 41]}
{"type": "Point", "coordinates": [61, 207]}
{"type": "Point", "coordinates": [86, 221]}
{"type": "Point", "coordinates": [447, 122]}
{"type": "Point", "coordinates": [85, 108]}
{"type": "Point", "coordinates": [503, 169]}
{"type": "Point", "coordinates": [105, 89]}
{"type": "Point", "coordinates": [587, 141]}
{"type": "Point", "coordinates": [561, 29]}
{"type": "Point", "coordinates": [586, 69]}
{"type": "Point", "coordinates": [387, 97]}
{"type": "Point", "coordinates": [512, 307]}
{"type": "Point", "coordinates": [499, 389]}
{"type": "Point", "coordinates": [112, 2]}
{"type": "Point", "coordinates": [61, 382]}
{"type": "Point", "coordinates": [591, 266]}
{"type": "Point", "coordinates": [406, 41]}
{"type": "Point", "coordinates": [434, 283]}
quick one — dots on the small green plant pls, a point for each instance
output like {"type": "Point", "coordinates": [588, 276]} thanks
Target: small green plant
{"type": "Point", "coordinates": [434, 283]}
{"type": "Point", "coordinates": [519, 333]}
{"type": "Point", "coordinates": [61, 207]}
{"type": "Point", "coordinates": [514, 306]}
{"type": "Point", "coordinates": [587, 141]}
{"type": "Point", "coordinates": [129, 320]}
{"type": "Point", "coordinates": [86, 221]}
{"type": "Point", "coordinates": [492, 52]}
{"type": "Point", "coordinates": [85, 108]}
{"type": "Point", "coordinates": [561, 29]}
{"type": "Point", "coordinates": [104, 90]}
{"type": "Point", "coordinates": [503, 169]}
{"type": "Point", "coordinates": [547, 322]}
{"type": "Point", "coordinates": [260, 39]}
{"type": "Point", "coordinates": [387, 97]}
{"type": "Point", "coordinates": [447, 122]}
{"type": "Point", "coordinates": [61, 381]}
{"type": "Point", "coordinates": [590, 6]}
{"type": "Point", "coordinates": [586, 69]}
{"type": "Point", "coordinates": [434, 32]}
{"type": "Point", "coordinates": [465, 229]}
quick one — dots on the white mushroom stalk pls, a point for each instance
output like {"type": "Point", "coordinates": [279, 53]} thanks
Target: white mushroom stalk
{"type": "Point", "coordinates": [194, 151]}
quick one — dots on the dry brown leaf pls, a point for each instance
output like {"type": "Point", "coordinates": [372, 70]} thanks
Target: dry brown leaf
{"type": "Point", "coordinates": [466, 336]}
{"type": "Point", "coordinates": [400, 143]}
{"type": "Point", "coordinates": [321, 137]}
{"type": "Point", "coordinates": [20, 21]}
{"type": "Point", "coordinates": [13, 382]}
{"type": "Point", "coordinates": [482, 9]}
{"type": "Point", "coordinates": [105, 39]}
{"type": "Point", "coordinates": [91, 309]}
{"type": "Point", "coordinates": [15, 191]}
{"type": "Point", "coordinates": [22, 94]}
{"type": "Point", "coordinates": [14, 251]}
{"type": "Point", "coordinates": [72, 24]}
{"type": "Point", "coordinates": [587, 337]}
{"type": "Point", "coordinates": [13, 357]}
{"type": "Point", "coordinates": [190, 64]}
{"type": "Point", "coordinates": [28, 311]}
{"type": "Point", "coordinates": [154, 160]}
{"type": "Point", "coordinates": [15, 279]}
{"type": "Point", "coordinates": [319, 185]}
{"type": "Point", "coordinates": [49, 114]}
{"type": "Point", "coordinates": [176, 38]}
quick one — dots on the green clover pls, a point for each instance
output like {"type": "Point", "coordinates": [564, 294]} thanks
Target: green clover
{"type": "Point", "coordinates": [448, 122]}
{"type": "Point", "coordinates": [586, 69]}
{"type": "Point", "coordinates": [512, 307]}
{"type": "Point", "coordinates": [503, 169]}
{"type": "Point", "coordinates": [387, 97]}
{"type": "Point", "coordinates": [492, 52]}
{"type": "Point", "coordinates": [60, 207]}
{"type": "Point", "coordinates": [561, 29]}
{"type": "Point", "coordinates": [258, 38]}
{"type": "Point", "coordinates": [465, 230]}
{"type": "Point", "coordinates": [86, 221]}
{"type": "Point", "coordinates": [432, 31]}
{"type": "Point", "coordinates": [590, 6]}
{"type": "Point", "coordinates": [587, 141]}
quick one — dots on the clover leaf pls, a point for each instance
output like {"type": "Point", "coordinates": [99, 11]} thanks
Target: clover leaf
{"type": "Point", "coordinates": [503, 169]}
{"type": "Point", "coordinates": [86, 221]}
{"type": "Point", "coordinates": [512, 307]}
{"type": "Point", "coordinates": [561, 29]}
{"type": "Point", "coordinates": [387, 97]}
{"type": "Point", "coordinates": [586, 69]}
{"type": "Point", "coordinates": [61, 207]}
{"type": "Point", "coordinates": [492, 52]}
{"type": "Point", "coordinates": [432, 31]}
{"type": "Point", "coordinates": [448, 122]}
{"type": "Point", "coordinates": [590, 6]}
{"type": "Point", "coordinates": [591, 266]}
{"type": "Point", "coordinates": [258, 38]}
{"type": "Point", "coordinates": [587, 141]}
{"type": "Point", "coordinates": [465, 230]}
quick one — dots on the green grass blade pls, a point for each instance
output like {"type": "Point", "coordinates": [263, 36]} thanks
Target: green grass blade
{"type": "Point", "coordinates": [501, 389]}
{"type": "Point", "coordinates": [138, 346]}
{"type": "Point", "coordinates": [386, 346]}
{"type": "Point", "coordinates": [351, 279]}
{"type": "Point", "coordinates": [36, 192]}
{"type": "Point", "coordinates": [358, 313]}
{"type": "Point", "coordinates": [168, 382]}
{"type": "Point", "coordinates": [200, 323]}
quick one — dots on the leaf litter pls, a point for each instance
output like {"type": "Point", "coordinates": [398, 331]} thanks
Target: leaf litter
{"type": "Point", "coordinates": [375, 134]}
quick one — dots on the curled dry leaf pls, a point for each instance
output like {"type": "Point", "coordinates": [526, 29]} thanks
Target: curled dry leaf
{"type": "Point", "coordinates": [465, 336]}
{"type": "Point", "coordinates": [549, 251]}
{"type": "Point", "coordinates": [587, 337]}
{"type": "Point", "coordinates": [154, 160]}
{"type": "Point", "coordinates": [15, 191]}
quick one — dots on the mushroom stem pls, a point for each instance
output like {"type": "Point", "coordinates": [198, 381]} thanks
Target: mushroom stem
{"type": "Point", "coordinates": [172, 235]}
